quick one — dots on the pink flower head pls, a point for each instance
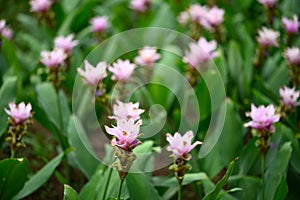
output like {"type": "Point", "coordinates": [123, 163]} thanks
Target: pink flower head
{"type": "Point", "coordinates": [126, 111]}
{"type": "Point", "coordinates": [268, 37]}
{"type": "Point", "coordinates": [99, 24]}
{"type": "Point", "coordinates": [122, 70]}
{"type": "Point", "coordinates": [126, 133]}
{"type": "Point", "coordinates": [19, 113]}
{"type": "Point", "coordinates": [181, 145]}
{"type": "Point", "coordinates": [93, 75]}
{"type": "Point", "coordinates": [2, 24]}
{"type": "Point", "coordinates": [65, 43]}
{"type": "Point", "coordinates": [147, 56]}
{"type": "Point", "coordinates": [291, 25]}
{"type": "Point", "coordinates": [201, 52]}
{"type": "Point", "coordinates": [183, 18]}
{"type": "Point", "coordinates": [262, 118]}
{"type": "Point", "coordinates": [268, 3]}
{"type": "Point", "coordinates": [288, 96]}
{"type": "Point", "coordinates": [140, 5]}
{"type": "Point", "coordinates": [198, 13]}
{"type": "Point", "coordinates": [213, 18]}
{"type": "Point", "coordinates": [292, 55]}
{"type": "Point", "coordinates": [53, 59]}
{"type": "Point", "coordinates": [7, 33]}
{"type": "Point", "coordinates": [40, 6]}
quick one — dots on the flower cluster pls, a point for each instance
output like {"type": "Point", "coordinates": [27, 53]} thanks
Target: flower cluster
{"type": "Point", "coordinates": [65, 43]}
{"type": "Point", "coordinates": [292, 55]}
{"type": "Point", "coordinates": [53, 59]}
{"type": "Point", "coordinates": [19, 113]}
{"type": "Point", "coordinates": [289, 97]}
{"type": "Point", "coordinates": [122, 70]}
{"type": "Point", "coordinates": [5, 30]}
{"type": "Point", "coordinates": [147, 56]}
{"type": "Point", "coordinates": [99, 24]}
{"type": "Point", "coordinates": [200, 53]}
{"type": "Point", "coordinates": [40, 6]}
{"type": "Point", "coordinates": [140, 5]}
{"type": "Point", "coordinates": [268, 37]}
{"type": "Point", "coordinates": [291, 25]}
{"type": "Point", "coordinates": [208, 18]}
{"type": "Point", "coordinates": [181, 145]}
{"type": "Point", "coordinates": [127, 130]}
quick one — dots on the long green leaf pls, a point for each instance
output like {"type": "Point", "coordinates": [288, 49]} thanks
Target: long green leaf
{"type": "Point", "coordinates": [13, 174]}
{"type": "Point", "coordinates": [41, 177]}
{"type": "Point", "coordinates": [214, 194]}
{"type": "Point", "coordinates": [70, 193]}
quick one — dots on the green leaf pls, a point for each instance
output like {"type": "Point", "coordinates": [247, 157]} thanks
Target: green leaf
{"type": "Point", "coordinates": [161, 181]}
{"type": "Point", "coordinates": [234, 61]}
{"type": "Point", "coordinates": [70, 193]}
{"type": "Point", "coordinates": [83, 155]}
{"type": "Point", "coordinates": [140, 187]}
{"type": "Point", "coordinates": [13, 174]}
{"type": "Point", "coordinates": [277, 171]}
{"type": "Point", "coordinates": [7, 95]}
{"type": "Point", "coordinates": [248, 156]}
{"type": "Point", "coordinates": [214, 194]}
{"type": "Point", "coordinates": [41, 177]}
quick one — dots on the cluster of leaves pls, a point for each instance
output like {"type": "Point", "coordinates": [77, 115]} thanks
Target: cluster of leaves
{"type": "Point", "coordinates": [21, 76]}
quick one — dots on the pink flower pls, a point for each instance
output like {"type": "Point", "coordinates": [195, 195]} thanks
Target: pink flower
{"type": "Point", "coordinates": [126, 133]}
{"type": "Point", "coordinates": [19, 113]}
{"type": "Point", "coordinates": [65, 43]}
{"type": "Point", "coordinates": [183, 18]}
{"type": "Point", "coordinates": [268, 37]}
{"type": "Point", "coordinates": [40, 6]}
{"type": "Point", "coordinates": [7, 33]}
{"type": "Point", "coordinates": [268, 3]}
{"type": "Point", "coordinates": [99, 24]}
{"type": "Point", "coordinates": [147, 56]}
{"type": "Point", "coordinates": [198, 13]}
{"type": "Point", "coordinates": [2, 24]}
{"type": "Point", "coordinates": [122, 70]}
{"type": "Point", "coordinates": [213, 18]}
{"type": "Point", "coordinates": [262, 118]}
{"type": "Point", "coordinates": [126, 111]}
{"type": "Point", "coordinates": [292, 55]}
{"type": "Point", "coordinates": [291, 25]}
{"type": "Point", "coordinates": [289, 96]}
{"type": "Point", "coordinates": [181, 145]}
{"type": "Point", "coordinates": [93, 75]}
{"type": "Point", "coordinates": [140, 5]}
{"type": "Point", "coordinates": [200, 52]}
{"type": "Point", "coordinates": [53, 59]}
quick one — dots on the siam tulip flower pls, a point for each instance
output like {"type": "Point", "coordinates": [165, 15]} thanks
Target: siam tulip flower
{"type": "Point", "coordinates": [291, 25]}
{"type": "Point", "coordinates": [263, 118]}
{"type": "Point", "coordinates": [140, 5]}
{"type": "Point", "coordinates": [183, 18]}
{"type": "Point", "coordinates": [197, 13]}
{"type": "Point", "coordinates": [288, 97]}
{"type": "Point", "coordinates": [19, 113]}
{"type": "Point", "coordinates": [122, 70]}
{"type": "Point", "coordinates": [93, 75]}
{"type": "Point", "coordinates": [268, 3]}
{"type": "Point", "coordinates": [2, 24]}
{"type": "Point", "coordinates": [99, 24]}
{"type": "Point", "coordinates": [40, 6]}
{"type": "Point", "coordinates": [181, 145]}
{"type": "Point", "coordinates": [147, 56]}
{"type": "Point", "coordinates": [213, 18]}
{"type": "Point", "coordinates": [201, 52]}
{"type": "Point", "coordinates": [7, 33]}
{"type": "Point", "coordinates": [126, 133]}
{"type": "Point", "coordinates": [292, 55]}
{"type": "Point", "coordinates": [65, 43]}
{"type": "Point", "coordinates": [53, 59]}
{"type": "Point", "coordinates": [268, 37]}
{"type": "Point", "coordinates": [126, 111]}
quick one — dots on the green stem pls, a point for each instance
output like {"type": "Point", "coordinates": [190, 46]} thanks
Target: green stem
{"type": "Point", "coordinates": [120, 188]}
{"type": "Point", "coordinates": [107, 182]}
{"type": "Point", "coordinates": [12, 154]}
{"type": "Point", "coordinates": [179, 190]}
{"type": "Point", "coordinates": [263, 177]}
